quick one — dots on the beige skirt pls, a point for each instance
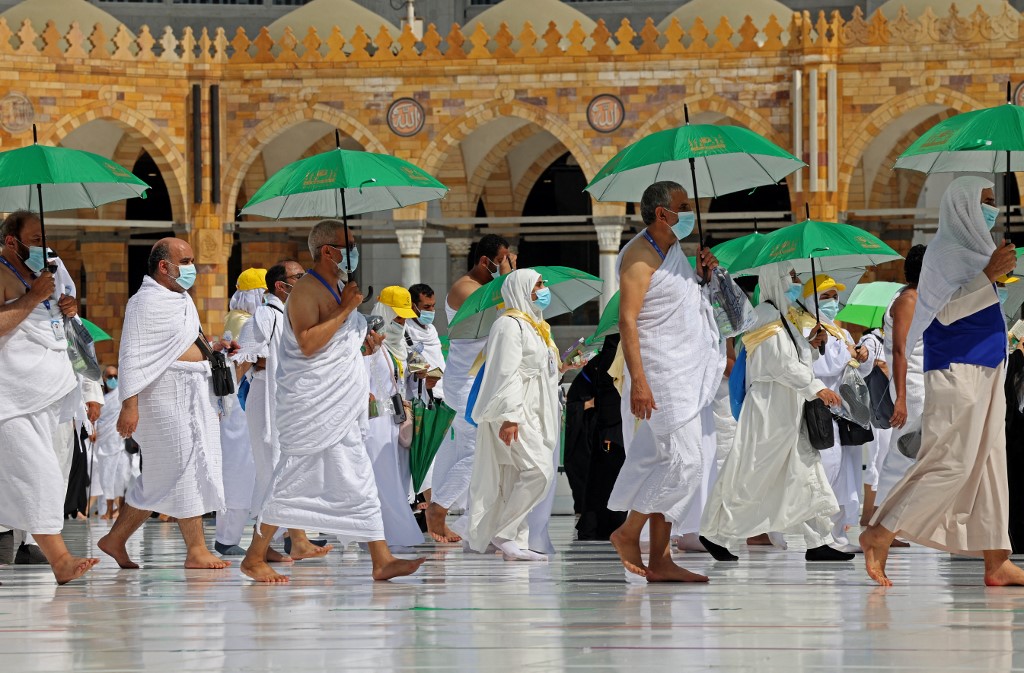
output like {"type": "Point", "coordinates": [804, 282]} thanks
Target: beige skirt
{"type": "Point", "coordinates": [955, 497]}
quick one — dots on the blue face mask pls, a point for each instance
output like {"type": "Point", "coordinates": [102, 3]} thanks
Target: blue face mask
{"type": "Point", "coordinates": [991, 214]}
{"type": "Point", "coordinates": [343, 264]}
{"type": "Point", "coordinates": [426, 318]}
{"type": "Point", "coordinates": [543, 299]}
{"type": "Point", "coordinates": [35, 261]}
{"type": "Point", "coordinates": [829, 308]}
{"type": "Point", "coordinates": [112, 383]}
{"type": "Point", "coordinates": [186, 275]}
{"type": "Point", "coordinates": [1003, 293]}
{"type": "Point", "coordinates": [794, 292]}
{"type": "Point", "coordinates": [684, 227]}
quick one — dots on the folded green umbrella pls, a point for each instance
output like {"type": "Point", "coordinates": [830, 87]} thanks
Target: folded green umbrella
{"type": "Point", "coordinates": [430, 425]}
{"type": "Point", "coordinates": [868, 303]}
{"type": "Point", "coordinates": [95, 332]}
{"type": "Point", "coordinates": [570, 289]}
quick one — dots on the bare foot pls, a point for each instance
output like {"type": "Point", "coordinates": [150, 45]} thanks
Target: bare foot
{"type": "Point", "coordinates": [116, 551]}
{"type": "Point", "coordinates": [690, 542]}
{"type": "Point", "coordinates": [305, 549]}
{"type": "Point", "coordinates": [397, 568]}
{"type": "Point", "coordinates": [761, 540]}
{"type": "Point", "coordinates": [899, 543]}
{"type": "Point", "coordinates": [876, 552]}
{"type": "Point", "coordinates": [204, 559]}
{"type": "Point", "coordinates": [437, 526]}
{"type": "Point", "coordinates": [72, 567]}
{"type": "Point", "coordinates": [261, 572]}
{"type": "Point", "coordinates": [664, 570]}
{"type": "Point", "coordinates": [1005, 575]}
{"type": "Point", "coordinates": [274, 556]}
{"type": "Point", "coordinates": [628, 549]}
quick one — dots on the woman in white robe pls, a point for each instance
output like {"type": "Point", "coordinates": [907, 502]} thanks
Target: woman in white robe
{"type": "Point", "coordinates": [773, 480]}
{"type": "Point", "coordinates": [391, 466]}
{"type": "Point", "coordinates": [518, 423]}
{"type": "Point", "coordinates": [113, 464]}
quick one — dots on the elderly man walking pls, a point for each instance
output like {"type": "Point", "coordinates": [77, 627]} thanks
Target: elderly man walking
{"type": "Point", "coordinates": [166, 406]}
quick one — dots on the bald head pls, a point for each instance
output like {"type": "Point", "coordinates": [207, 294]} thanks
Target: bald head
{"type": "Point", "coordinates": [165, 259]}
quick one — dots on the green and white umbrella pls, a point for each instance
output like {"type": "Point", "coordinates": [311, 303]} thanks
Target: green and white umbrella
{"type": "Point", "coordinates": [38, 177]}
{"type": "Point", "coordinates": [340, 183]}
{"type": "Point", "coordinates": [981, 141]}
{"type": "Point", "coordinates": [95, 331]}
{"type": "Point", "coordinates": [729, 252]}
{"type": "Point", "coordinates": [609, 321]}
{"type": "Point", "coordinates": [868, 303]}
{"type": "Point", "coordinates": [570, 289]}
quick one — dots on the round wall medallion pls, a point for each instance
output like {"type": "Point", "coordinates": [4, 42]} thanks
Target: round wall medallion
{"type": "Point", "coordinates": [605, 113]}
{"type": "Point", "coordinates": [406, 117]}
{"type": "Point", "coordinates": [16, 112]}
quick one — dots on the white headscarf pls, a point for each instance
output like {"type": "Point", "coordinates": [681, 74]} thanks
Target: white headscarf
{"type": "Point", "coordinates": [959, 252]}
{"type": "Point", "coordinates": [775, 280]}
{"type": "Point", "coordinates": [394, 342]}
{"type": "Point", "coordinates": [517, 292]}
{"type": "Point", "coordinates": [247, 300]}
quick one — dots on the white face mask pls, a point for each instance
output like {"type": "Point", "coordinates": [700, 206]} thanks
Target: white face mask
{"type": "Point", "coordinates": [394, 336]}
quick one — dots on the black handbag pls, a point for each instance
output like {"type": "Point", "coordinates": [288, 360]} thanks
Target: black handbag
{"type": "Point", "coordinates": [131, 446]}
{"type": "Point", "coordinates": [820, 431]}
{"type": "Point", "coordinates": [223, 379]}
{"type": "Point", "coordinates": [851, 434]}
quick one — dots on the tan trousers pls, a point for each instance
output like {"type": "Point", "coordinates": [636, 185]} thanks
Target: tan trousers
{"type": "Point", "coordinates": [955, 497]}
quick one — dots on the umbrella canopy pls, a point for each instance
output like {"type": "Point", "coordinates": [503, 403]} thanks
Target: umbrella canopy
{"type": "Point", "coordinates": [340, 183]}
{"type": "Point", "coordinates": [609, 322]}
{"type": "Point", "coordinates": [430, 425]}
{"type": "Point", "coordinates": [745, 246]}
{"type": "Point", "coordinates": [727, 159]}
{"type": "Point", "coordinates": [95, 332]}
{"type": "Point", "coordinates": [570, 289]}
{"type": "Point", "coordinates": [832, 245]}
{"type": "Point", "coordinates": [975, 141]}
{"type": "Point", "coordinates": [868, 303]}
{"type": "Point", "coordinates": [68, 179]}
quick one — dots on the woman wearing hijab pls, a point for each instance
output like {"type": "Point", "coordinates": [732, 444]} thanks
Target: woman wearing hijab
{"type": "Point", "coordinates": [955, 497]}
{"type": "Point", "coordinates": [773, 478]}
{"type": "Point", "coordinates": [518, 422]}
{"type": "Point", "coordinates": [386, 370]}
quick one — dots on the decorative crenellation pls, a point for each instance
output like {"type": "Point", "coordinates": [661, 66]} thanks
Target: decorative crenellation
{"type": "Point", "coordinates": [798, 31]}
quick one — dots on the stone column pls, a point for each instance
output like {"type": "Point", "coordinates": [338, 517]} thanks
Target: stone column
{"type": "Point", "coordinates": [105, 257]}
{"type": "Point", "coordinates": [212, 247]}
{"type": "Point", "coordinates": [410, 241]}
{"type": "Point", "coordinates": [458, 250]}
{"type": "Point", "coordinates": [609, 240]}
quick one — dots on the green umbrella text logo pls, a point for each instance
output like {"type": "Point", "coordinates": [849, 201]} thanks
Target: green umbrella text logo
{"type": "Point", "coordinates": [320, 177]}
{"type": "Point", "coordinates": [940, 138]}
{"type": "Point", "coordinates": [867, 243]}
{"type": "Point", "coordinates": [783, 248]}
{"type": "Point", "coordinates": [707, 144]}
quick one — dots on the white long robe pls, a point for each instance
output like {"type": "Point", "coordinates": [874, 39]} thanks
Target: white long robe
{"type": "Point", "coordinates": [324, 479]}
{"type": "Point", "coordinates": [773, 480]}
{"type": "Point", "coordinates": [391, 465]}
{"type": "Point", "coordinates": [453, 464]}
{"type": "Point", "coordinates": [177, 432]}
{"type": "Point", "coordinates": [112, 461]}
{"type": "Point", "coordinates": [519, 385]}
{"type": "Point", "coordinates": [683, 361]}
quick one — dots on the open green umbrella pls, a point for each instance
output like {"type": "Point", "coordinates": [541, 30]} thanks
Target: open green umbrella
{"type": "Point", "coordinates": [340, 183]}
{"type": "Point", "coordinates": [745, 246]}
{"type": "Point", "coordinates": [570, 289]}
{"type": "Point", "coordinates": [707, 159]}
{"type": "Point", "coordinates": [95, 332]}
{"type": "Point", "coordinates": [868, 303]}
{"type": "Point", "coordinates": [37, 177]}
{"type": "Point", "coordinates": [981, 141]}
{"type": "Point", "coordinates": [609, 322]}
{"type": "Point", "coordinates": [430, 425]}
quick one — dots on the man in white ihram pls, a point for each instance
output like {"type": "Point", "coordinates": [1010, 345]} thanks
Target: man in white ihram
{"type": "Point", "coordinates": [324, 478]}
{"type": "Point", "coordinates": [674, 362]}
{"type": "Point", "coordinates": [167, 406]}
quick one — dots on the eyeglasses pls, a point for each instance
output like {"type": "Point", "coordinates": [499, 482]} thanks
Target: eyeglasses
{"type": "Point", "coordinates": [296, 276]}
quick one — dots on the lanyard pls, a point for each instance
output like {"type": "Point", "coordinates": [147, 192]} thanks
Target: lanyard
{"type": "Point", "coordinates": [654, 244]}
{"type": "Point", "coordinates": [326, 284]}
{"type": "Point", "coordinates": [46, 302]}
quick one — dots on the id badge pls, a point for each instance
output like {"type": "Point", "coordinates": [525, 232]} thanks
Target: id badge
{"type": "Point", "coordinates": [58, 329]}
{"type": "Point", "coordinates": [374, 410]}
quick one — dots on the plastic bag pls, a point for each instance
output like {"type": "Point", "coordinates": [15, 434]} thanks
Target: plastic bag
{"type": "Point", "coordinates": [733, 311]}
{"type": "Point", "coordinates": [81, 350]}
{"type": "Point", "coordinates": [856, 398]}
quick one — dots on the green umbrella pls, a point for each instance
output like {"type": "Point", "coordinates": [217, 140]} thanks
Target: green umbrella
{"type": "Point", "coordinates": [833, 245]}
{"type": "Point", "coordinates": [609, 322]}
{"type": "Point", "coordinates": [570, 289]}
{"type": "Point", "coordinates": [981, 141]}
{"type": "Point", "coordinates": [430, 425]}
{"type": "Point", "coordinates": [444, 345]}
{"type": "Point", "coordinates": [707, 159]}
{"type": "Point", "coordinates": [37, 177]}
{"type": "Point", "coordinates": [340, 183]}
{"type": "Point", "coordinates": [868, 303]}
{"type": "Point", "coordinates": [728, 252]}
{"type": "Point", "coordinates": [95, 332]}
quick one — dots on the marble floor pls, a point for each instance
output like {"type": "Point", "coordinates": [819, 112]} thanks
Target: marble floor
{"type": "Point", "coordinates": [770, 612]}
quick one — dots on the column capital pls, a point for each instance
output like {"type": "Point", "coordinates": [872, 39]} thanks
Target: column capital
{"type": "Point", "coordinates": [609, 234]}
{"type": "Point", "coordinates": [410, 239]}
{"type": "Point", "coordinates": [458, 246]}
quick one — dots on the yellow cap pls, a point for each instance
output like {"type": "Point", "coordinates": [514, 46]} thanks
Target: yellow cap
{"type": "Point", "coordinates": [399, 299]}
{"type": "Point", "coordinates": [252, 279]}
{"type": "Point", "coordinates": [824, 283]}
